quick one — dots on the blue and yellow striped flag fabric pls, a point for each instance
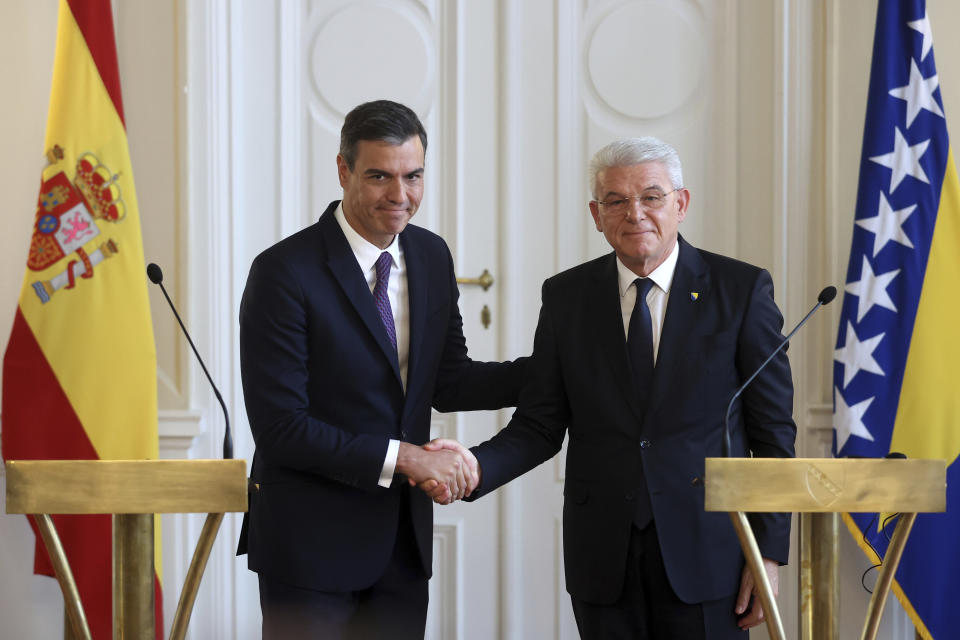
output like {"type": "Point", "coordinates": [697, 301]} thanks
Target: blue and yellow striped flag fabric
{"type": "Point", "coordinates": [897, 359]}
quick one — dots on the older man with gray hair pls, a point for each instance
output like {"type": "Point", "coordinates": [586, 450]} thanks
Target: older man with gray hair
{"type": "Point", "coordinates": [636, 355]}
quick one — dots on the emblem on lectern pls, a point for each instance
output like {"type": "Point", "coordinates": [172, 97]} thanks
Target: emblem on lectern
{"type": "Point", "coordinates": [824, 488]}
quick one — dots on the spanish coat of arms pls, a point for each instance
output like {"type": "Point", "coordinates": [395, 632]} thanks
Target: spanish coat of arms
{"type": "Point", "coordinates": [66, 220]}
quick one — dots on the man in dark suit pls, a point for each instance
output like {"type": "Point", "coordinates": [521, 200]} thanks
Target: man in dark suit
{"type": "Point", "coordinates": [349, 333]}
{"type": "Point", "coordinates": [641, 384]}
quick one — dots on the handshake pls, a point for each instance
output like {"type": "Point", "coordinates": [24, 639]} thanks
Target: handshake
{"type": "Point", "coordinates": [443, 469]}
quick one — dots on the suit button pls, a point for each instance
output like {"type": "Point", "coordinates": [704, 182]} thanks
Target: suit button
{"type": "Point", "coordinates": [403, 435]}
{"type": "Point", "coordinates": [644, 444]}
{"type": "Point", "coordinates": [629, 496]}
{"type": "Point", "coordinates": [695, 481]}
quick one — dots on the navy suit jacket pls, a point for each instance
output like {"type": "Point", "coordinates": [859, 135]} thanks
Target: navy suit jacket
{"type": "Point", "coordinates": [721, 323]}
{"type": "Point", "coordinates": [323, 393]}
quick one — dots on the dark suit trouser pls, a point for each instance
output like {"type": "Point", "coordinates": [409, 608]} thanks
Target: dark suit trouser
{"type": "Point", "coordinates": [393, 607]}
{"type": "Point", "coordinates": [648, 609]}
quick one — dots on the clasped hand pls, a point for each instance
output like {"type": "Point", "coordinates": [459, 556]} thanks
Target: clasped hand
{"type": "Point", "coordinates": [443, 469]}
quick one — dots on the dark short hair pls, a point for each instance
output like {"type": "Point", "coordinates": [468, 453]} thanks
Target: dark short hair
{"type": "Point", "coordinates": [379, 120]}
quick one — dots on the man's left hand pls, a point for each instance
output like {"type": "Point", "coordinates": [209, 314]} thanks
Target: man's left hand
{"type": "Point", "coordinates": [436, 491]}
{"type": "Point", "coordinates": [749, 588]}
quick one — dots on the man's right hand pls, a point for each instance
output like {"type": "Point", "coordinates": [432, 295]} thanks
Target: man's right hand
{"type": "Point", "coordinates": [435, 490]}
{"type": "Point", "coordinates": [444, 471]}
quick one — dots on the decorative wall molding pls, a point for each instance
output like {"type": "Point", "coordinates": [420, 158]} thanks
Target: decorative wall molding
{"type": "Point", "coordinates": [208, 237]}
{"type": "Point", "coordinates": [511, 179]}
{"type": "Point", "coordinates": [178, 430]}
{"type": "Point", "coordinates": [819, 417]}
{"type": "Point", "coordinates": [573, 227]}
{"type": "Point", "coordinates": [724, 80]}
{"type": "Point", "coordinates": [293, 212]}
{"type": "Point", "coordinates": [369, 31]}
{"type": "Point", "coordinates": [446, 586]}
{"type": "Point", "coordinates": [817, 431]}
{"type": "Point", "coordinates": [444, 425]}
{"type": "Point", "coordinates": [450, 26]}
{"type": "Point", "coordinates": [622, 104]}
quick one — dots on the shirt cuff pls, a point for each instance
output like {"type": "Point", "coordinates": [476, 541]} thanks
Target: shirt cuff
{"type": "Point", "coordinates": [389, 464]}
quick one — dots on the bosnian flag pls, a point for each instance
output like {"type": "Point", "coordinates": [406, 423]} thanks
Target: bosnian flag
{"type": "Point", "coordinates": [897, 360]}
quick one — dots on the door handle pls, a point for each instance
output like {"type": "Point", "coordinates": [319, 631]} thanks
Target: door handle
{"type": "Point", "coordinates": [485, 280]}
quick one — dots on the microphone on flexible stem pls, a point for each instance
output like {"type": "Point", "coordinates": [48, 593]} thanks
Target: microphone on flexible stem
{"type": "Point", "coordinates": [156, 277]}
{"type": "Point", "coordinates": [824, 298]}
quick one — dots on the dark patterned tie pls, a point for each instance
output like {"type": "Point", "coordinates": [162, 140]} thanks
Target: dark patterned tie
{"type": "Point", "coordinates": [640, 348]}
{"type": "Point", "coordinates": [380, 297]}
{"type": "Point", "coordinates": [640, 339]}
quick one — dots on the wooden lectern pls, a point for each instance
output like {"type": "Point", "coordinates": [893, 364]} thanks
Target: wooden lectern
{"type": "Point", "coordinates": [818, 485]}
{"type": "Point", "coordinates": [133, 491]}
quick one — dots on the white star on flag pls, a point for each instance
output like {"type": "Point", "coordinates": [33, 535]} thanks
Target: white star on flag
{"type": "Point", "coordinates": [871, 290]}
{"type": "Point", "coordinates": [848, 421]}
{"type": "Point", "coordinates": [856, 356]}
{"type": "Point", "coordinates": [923, 26]}
{"type": "Point", "coordinates": [887, 225]}
{"type": "Point", "coordinates": [918, 93]}
{"type": "Point", "coordinates": [904, 160]}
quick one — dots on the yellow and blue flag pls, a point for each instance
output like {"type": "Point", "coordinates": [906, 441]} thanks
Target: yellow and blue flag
{"type": "Point", "coordinates": [897, 361]}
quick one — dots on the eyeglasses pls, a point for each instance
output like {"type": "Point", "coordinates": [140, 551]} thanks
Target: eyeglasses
{"type": "Point", "coordinates": [649, 201]}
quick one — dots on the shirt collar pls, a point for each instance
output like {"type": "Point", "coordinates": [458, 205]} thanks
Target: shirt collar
{"type": "Point", "coordinates": [662, 276]}
{"type": "Point", "coordinates": [365, 251]}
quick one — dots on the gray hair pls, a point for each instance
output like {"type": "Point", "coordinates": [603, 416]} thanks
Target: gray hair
{"type": "Point", "coordinates": [631, 151]}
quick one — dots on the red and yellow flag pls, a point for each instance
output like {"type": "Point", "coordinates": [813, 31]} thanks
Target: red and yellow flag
{"type": "Point", "coordinates": [79, 374]}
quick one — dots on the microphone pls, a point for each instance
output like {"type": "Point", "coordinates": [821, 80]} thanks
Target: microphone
{"type": "Point", "coordinates": [156, 277]}
{"type": "Point", "coordinates": [824, 298]}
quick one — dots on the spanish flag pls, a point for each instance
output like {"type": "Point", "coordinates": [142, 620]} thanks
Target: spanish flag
{"type": "Point", "coordinates": [79, 373]}
{"type": "Point", "coordinates": [897, 359]}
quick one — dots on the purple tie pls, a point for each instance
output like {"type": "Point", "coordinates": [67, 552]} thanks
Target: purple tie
{"type": "Point", "coordinates": [380, 297]}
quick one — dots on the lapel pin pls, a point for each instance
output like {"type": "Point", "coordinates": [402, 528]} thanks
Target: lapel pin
{"type": "Point", "coordinates": [694, 295]}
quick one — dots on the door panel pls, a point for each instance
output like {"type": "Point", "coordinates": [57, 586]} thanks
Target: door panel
{"type": "Point", "coordinates": [515, 96]}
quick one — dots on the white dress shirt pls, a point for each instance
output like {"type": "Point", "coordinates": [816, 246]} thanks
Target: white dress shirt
{"type": "Point", "coordinates": [367, 255]}
{"type": "Point", "coordinates": [657, 297]}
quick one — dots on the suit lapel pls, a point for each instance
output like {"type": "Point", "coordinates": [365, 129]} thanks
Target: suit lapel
{"type": "Point", "coordinates": [417, 291]}
{"type": "Point", "coordinates": [691, 277]}
{"type": "Point", "coordinates": [613, 344]}
{"type": "Point", "coordinates": [343, 265]}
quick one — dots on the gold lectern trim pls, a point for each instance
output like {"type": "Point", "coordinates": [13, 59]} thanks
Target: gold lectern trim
{"type": "Point", "coordinates": [887, 570]}
{"type": "Point", "coordinates": [126, 486]}
{"type": "Point", "coordinates": [825, 485]}
{"type": "Point", "coordinates": [752, 552]}
{"type": "Point", "coordinates": [61, 568]}
{"type": "Point", "coordinates": [191, 583]}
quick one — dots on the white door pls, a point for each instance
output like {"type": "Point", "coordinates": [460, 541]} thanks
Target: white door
{"type": "Point", "coordinates": [464, 207]}
{"type": "Point", "coordinates": [514, 95]}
